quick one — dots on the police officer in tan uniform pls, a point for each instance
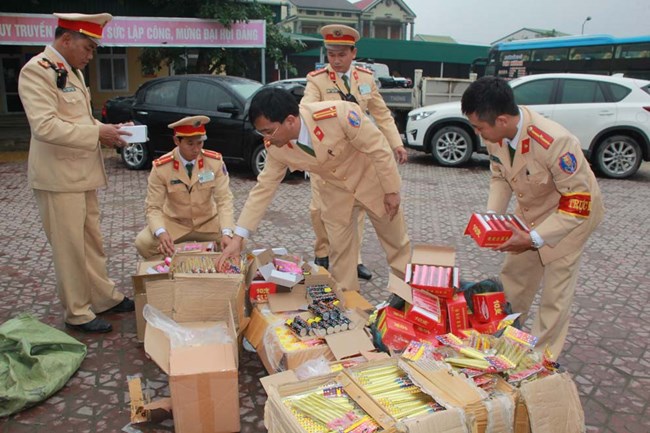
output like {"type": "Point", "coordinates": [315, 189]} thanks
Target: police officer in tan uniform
{"type": "Point", "coordinates": [342, 81]}
{"type": "Point", "coordinates": [556, 193]}
{"type": "Point", "coordinates": [66, 167]}
{"type": "Point", "coordinates": [356, 166]}
{"type": "Point", "coordinates": [188, 194]}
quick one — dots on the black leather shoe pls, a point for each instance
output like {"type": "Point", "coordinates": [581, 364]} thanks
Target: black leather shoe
{"type": "Point", "coordinates": [322, 261]}
{"type": "Point", "coordinates": [96, 326]}
{"type": "Point", "coordinates": [363, 272]}
{"type": "Point", "coordinates": [126, 306]}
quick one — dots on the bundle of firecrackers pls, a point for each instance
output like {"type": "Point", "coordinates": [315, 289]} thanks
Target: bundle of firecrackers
{"type": "Point", "coordinates": [203, 264]}
{"type": "Point", "coordinates": [483, 357]}
{"type": "Point", "coordinates": [260, 289]}
{"type": "Point", "coordinates": [290, 342]}
{"type": "Point", "coordinates": [394, 391]}
{"type": "Point", "coordinates": [328, 318]}
{"type": "Point", "coordinates": [329, 409]}
{"type": "Point", "coordinates": [491, 230]}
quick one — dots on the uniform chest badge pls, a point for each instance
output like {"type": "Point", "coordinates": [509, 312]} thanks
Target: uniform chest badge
{"type": "Point", "coordinates": [206, 176]}
{"type": "Point", "coordinates": [175, 181]}
{"type": "Point", "coordinates": [568, 163]}
{"type": "Point", "coordinates": [354, 119]}
{"type": "Point", "coordinates": [69, 89]}
{"type": "Point", "coordinates": [364, 89]}
{"type": "Point", "coordinates": [333, 90]}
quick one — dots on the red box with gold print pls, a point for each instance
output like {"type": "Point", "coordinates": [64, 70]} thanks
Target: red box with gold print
{"type": "Point", "coordinates": [483, 328]}
{"type": "Point", "coordinates": [491, 230]}
{"type": "Point", "coordinates": [458, 314]}
{"type": "Point", "coordinates": [433, 269]}
{"type": "Point", "coordinates": [489, 306]}
{"type": "Point", "coordinates": [259, 291]}
{"type": "Point", "coordinates": [429, 335]}
{"type": "Point", "coordinates": [388, 312]}
{"type": "Point", "coordinates": [396, 333]}
{"type": "Point", "coordinates": [425, 310]}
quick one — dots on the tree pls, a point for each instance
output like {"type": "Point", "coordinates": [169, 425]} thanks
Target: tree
{"type": "Point", "coordinates": [237, 61]}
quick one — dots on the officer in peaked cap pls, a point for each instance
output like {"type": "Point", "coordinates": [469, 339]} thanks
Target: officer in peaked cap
{"type": "Point", "coordinates": [66, 167]}
{"type": "Point", "coordinates": [188, 194]}
{"type": "Point", "coordinates": [340, 80]}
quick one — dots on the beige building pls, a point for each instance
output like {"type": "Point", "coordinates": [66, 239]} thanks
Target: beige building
{"type": "Point", "coordinates": [382, 19]}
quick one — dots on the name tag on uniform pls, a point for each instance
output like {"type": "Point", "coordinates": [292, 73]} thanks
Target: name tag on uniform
{"type": "Point", "coordinates": [333, 90]}
{"type": "Point", "coordinates": [206, 176]}
{"type": "Point", "coordinates": [175, 181]}
{"type": "Point", "coordinates": [364, 89]}
{"type": "Point", "coordinates": [69, 89]}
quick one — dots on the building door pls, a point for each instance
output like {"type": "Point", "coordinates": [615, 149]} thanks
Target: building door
{"type": "Point", "coordinates": [9, 70]}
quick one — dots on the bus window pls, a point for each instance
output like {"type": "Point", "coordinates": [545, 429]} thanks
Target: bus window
{"type": "Point", "coordinates": [549, 55]}
{"type": "Point", "coordinates": [633, 51]}
{"type": "Point", "coordinates": [591, 53]}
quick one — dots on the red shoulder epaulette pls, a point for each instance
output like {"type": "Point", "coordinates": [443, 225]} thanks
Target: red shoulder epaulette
{"type": "Point", "coordinates": [367, 71]}
{"type": "Point", "coordinates": [325, 113]}
{"type": "Point", "coordinates": [163, 160]}
{"type": "Point", "coordinates": [317, 72]}
{"type": "Point", "coordinates": [540, 136]}
{"type": "Point", "coordinates": [211, 154]}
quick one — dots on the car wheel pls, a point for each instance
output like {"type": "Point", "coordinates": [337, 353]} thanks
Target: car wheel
{"type": "Point", "coordinates": [618, 156]}
{"type": "Point", "coordinates": [451, 146]}
{"type": "Point", "coordinates": [135, 156]}
{"type": "Point", "coordinates": [258, 159]}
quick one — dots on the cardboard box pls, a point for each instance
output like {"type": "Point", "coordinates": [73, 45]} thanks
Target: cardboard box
{"type": "Point", "coordinates": [203, 379]}
{"type": "Point", "coordinates": [432, 255]}
{"type": "Point", "coordinates": [488, 230]}
{"type": "Point", "coordinates": [279, 349]}
{"type": "Point", "coordinates": [142, 275]}
{"type": "Point", "coordinates": [200, 297]}
{"type": "Point", "coordinates": [489, 307]}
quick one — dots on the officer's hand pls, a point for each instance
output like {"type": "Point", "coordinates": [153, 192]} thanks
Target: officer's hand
{"type": "Point", "coordinates": [233, 250]}
{"type": "Point", "coordinates": [391, 204]}
{"type": "Point", "coordinates": [518, 243]}
{"type": "Point", "coordinates": [225, 241]}
{"type": "Point", "coordinates": [112, 136]}
{"type": "Point", "coordinates": [166, 246]}
{"type": "Point", "coordinates": [401, 155]}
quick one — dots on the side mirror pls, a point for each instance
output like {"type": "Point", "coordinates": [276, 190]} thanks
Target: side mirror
{"type": "Point", "coordinates": [227, 107]}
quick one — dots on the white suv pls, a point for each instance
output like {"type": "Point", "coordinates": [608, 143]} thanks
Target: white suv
{"type": "Point", "coordinates": [609, 115]}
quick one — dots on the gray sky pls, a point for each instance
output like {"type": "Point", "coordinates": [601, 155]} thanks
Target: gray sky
{"type": "Point", "coordinates": [484, 21]}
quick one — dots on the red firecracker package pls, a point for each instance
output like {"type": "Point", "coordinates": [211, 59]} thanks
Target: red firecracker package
{"type": "Point", "coordinates": [458, 314]}
{"type": "Point", "coordinates": [425, 310]}
{"type": "Point", "coordinates": [491, 230]}
{"type": "Point", "coordinates": [442, 281]}
{"type": "Point", "coordinates": [396, 333]}
{"type": "Point", "coordinates": [489, 306]}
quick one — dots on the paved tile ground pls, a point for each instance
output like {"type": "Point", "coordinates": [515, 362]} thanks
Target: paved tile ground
{"type": "Point", "coordinates": [607, 351]}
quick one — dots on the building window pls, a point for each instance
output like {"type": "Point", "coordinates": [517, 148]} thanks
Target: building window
{"type": "Point", "coordinates": [112, 69]}
{"type": "Point", "coordinates": [311, 12]}
{"type": "Point", "coordinates": [328, 13]}
{"type": "Point", "coordinates": [346, 14]}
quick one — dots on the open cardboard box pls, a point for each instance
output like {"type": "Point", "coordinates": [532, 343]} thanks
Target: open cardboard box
{"type": "Point", "coordinates": [261, 333]}
{"type": "Point", "coordinates": [143, 274]}
{"type": "Point", "coordinates": [435, 255]}
{"type": "Point", "coordinates": [203, 379]}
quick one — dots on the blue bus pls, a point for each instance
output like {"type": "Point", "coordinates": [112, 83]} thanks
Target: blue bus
{"type": "Point", "coordinates": [591, 54]}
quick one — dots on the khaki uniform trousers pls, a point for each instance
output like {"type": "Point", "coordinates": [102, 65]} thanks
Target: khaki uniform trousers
{"type": "Point", "coordinates": [147, 244]}
{"type": "Point", "coordinates": [344, 245]}
{"type": "Point", "coordinates": [322, 244]}
{"type": "Point", "coordinates": [521, 276]}
{"type": "Point", "coordinates": [71, 224]}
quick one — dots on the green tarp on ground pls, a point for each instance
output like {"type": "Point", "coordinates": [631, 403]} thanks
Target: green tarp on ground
{"type": "Point", "coordinates": [36, 360]}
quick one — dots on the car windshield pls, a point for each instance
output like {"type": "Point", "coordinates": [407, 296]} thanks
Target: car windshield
{"type": "Point", "coordinates": [246, 90]}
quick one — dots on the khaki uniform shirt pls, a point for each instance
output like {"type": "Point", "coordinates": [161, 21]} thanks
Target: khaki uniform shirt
{"type": "Point", "coordinates": [182, 205]}
{"type": "Point", "coordinates": [64, 150]}
{"type": "Point", "coordinates": [324, 85]}
{"type": "Point", "coordinates": [352, 159]}
{"type": "Point", "coordinates": [556, 191]}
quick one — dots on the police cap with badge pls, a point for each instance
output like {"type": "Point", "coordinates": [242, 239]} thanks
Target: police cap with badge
{"type": "Point", "coordinates": [190, 127]}
{"type": "Point", "coordinates": [91, 26]}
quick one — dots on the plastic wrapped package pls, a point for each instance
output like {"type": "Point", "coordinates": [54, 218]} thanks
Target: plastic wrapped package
{"type": "Point", "coordinates": [180, 336]}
